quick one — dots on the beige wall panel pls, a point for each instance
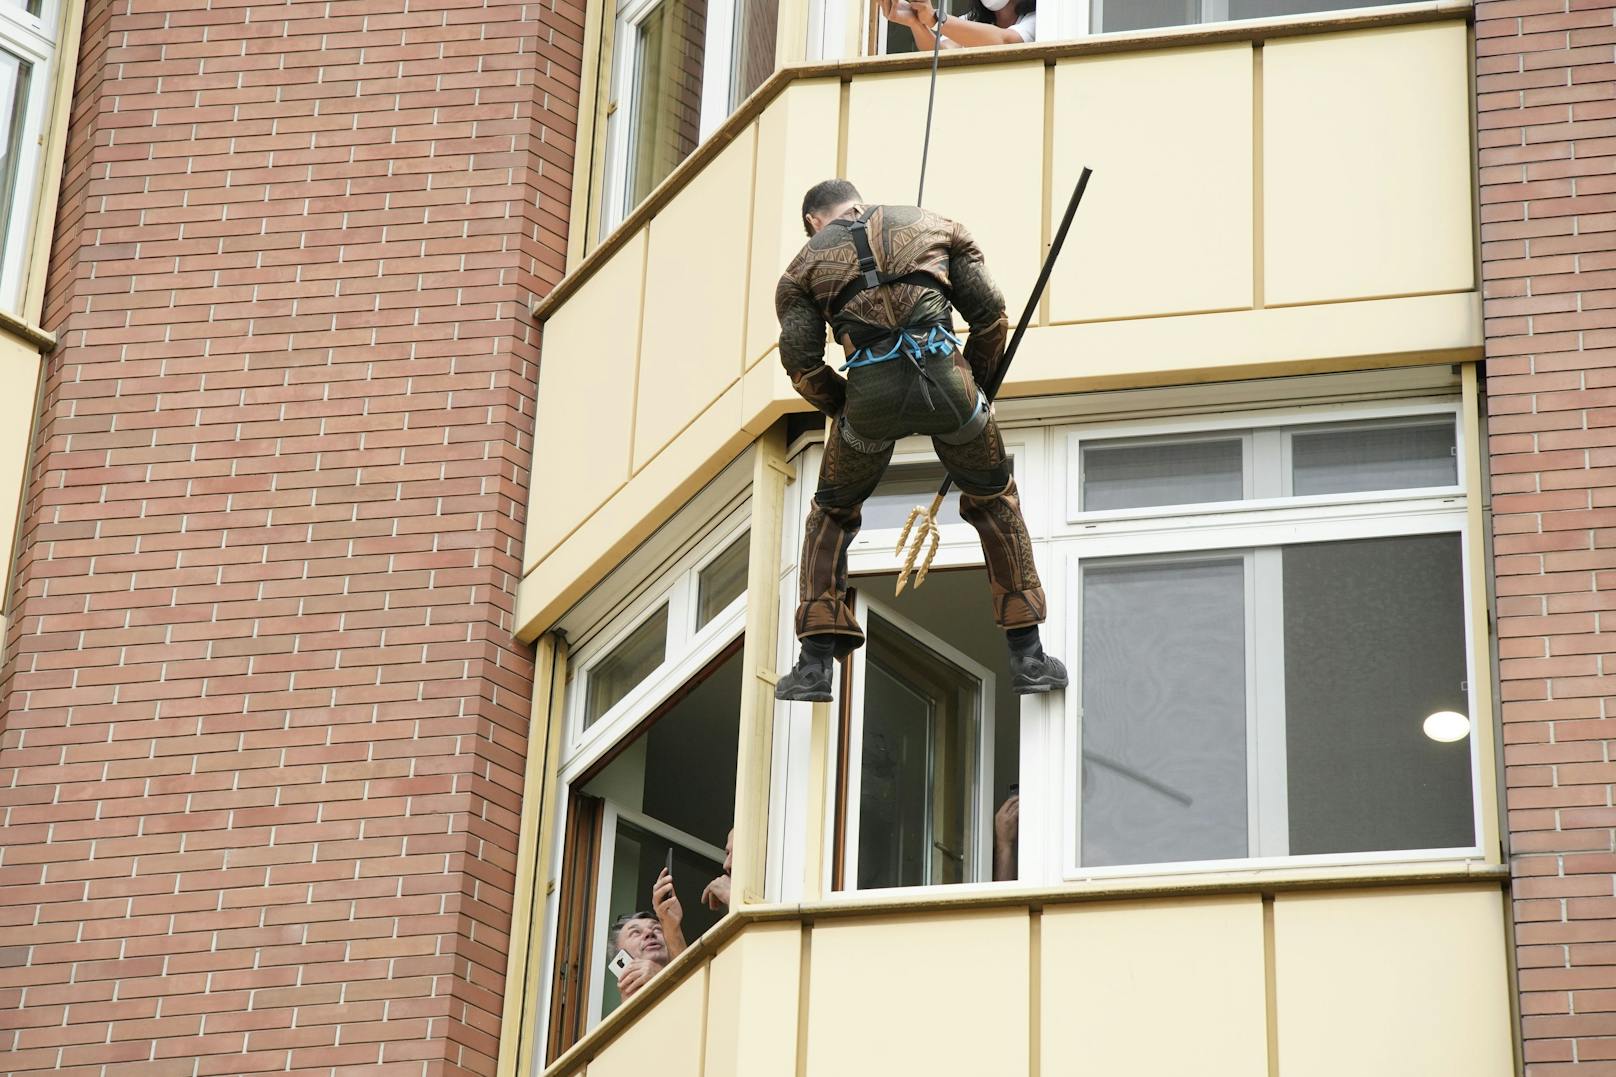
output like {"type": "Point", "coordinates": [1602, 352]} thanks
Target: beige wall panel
{"type": "Point", "coordinates": [699, 452]}
{"type": "Point", "coordinates": [1249, 343]}
{"type": "Point", "coordinates": [586, 386]}
{"type": "Point", "coordinates": [796, 149]}
{"type": "Point", "coordinates": [1392, 982]}
{"type": "Point", "coordinates": [767, 394]}
{"type": "Point", "coordinates": [752, 1003]}
{"type": "Point", "coordinates": [1166, 223]}
{"type": "Point", "coordinates": [1366, 164]}
{"type": "Point", "coordinates": [19, 386]}
{"type": "Point", "coordinates": [695, 292]}
{"type": "Point", "coordinates": [893, 995]}
{"type": "Point", "coordinates": [983, 114]}
{"type": "Point", "coordinates": [665, 1040]}
{"type": "Point", "coordinates": [1115, 975]}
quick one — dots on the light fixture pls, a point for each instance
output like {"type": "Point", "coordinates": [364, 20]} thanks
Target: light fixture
{"type": "Point", "coordinates": [1447, 726]}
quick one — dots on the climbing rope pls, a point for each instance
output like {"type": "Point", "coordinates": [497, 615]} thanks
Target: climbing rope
{"type": "Point", "coordinates": [931, 97]}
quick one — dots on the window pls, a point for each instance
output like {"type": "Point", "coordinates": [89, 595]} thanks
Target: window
{"type": "Point", "coordinates": [680, 67]}
{"type": "Point", "coordinates": [27, 45]}
{"type": "Point", "coordinates": [647, 769]}
{"type": "Point", "coordinates": [1110, 16]}
{"type": "Point", "coordinates": [1259, 611]}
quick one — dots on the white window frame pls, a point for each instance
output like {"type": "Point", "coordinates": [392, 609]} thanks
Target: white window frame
{"type": "Point", "coordinates": [717, 93]}
{"type": "Point", "coordinates": [32, 39]}
{"type": "Point", "coordinates": [982, 780]}
{"type": "Point", "coordinates": [1046, 437]}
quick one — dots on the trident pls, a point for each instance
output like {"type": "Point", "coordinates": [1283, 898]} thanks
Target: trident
{"type": "Point", "coordinates": [922, 522]}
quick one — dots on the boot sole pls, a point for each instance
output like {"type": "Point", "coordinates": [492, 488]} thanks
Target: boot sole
{"type": "Point", "coordinates": [805, 697]}
{"type": "Point", "coordinates": [1036, 689]}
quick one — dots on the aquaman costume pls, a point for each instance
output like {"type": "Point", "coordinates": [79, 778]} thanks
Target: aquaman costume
{"type": "Point", "coordinates": [886, 281]}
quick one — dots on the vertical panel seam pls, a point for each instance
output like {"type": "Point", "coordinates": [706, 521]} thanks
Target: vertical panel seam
{"type": "Point", "coordinates": [1035, 967]}
{"type": "Point", "coordinates": [1257, 236]}
{"type": "Point", "coordinates": [751, 241]}
{"type": "Point", "coordinates": [1270, 985]}
{"type": "Point", "coordinates": [802, 998]}
{"type": "Point", "coordinates": [639, 349]}
{"type": "Point", "coordinates": [1044, 224]}
{"type": "Point", "coordinates": [842, 112]}
{"type": "Point", "coordinates": [706, 1013]}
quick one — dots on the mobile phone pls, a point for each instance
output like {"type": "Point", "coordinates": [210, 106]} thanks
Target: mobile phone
{"type": "Point", "coordinates": [1015, 790]}
{"type": "Point", "coordinates": [619, 963]}
{"type": "Point", "coordinates": [667, 865]}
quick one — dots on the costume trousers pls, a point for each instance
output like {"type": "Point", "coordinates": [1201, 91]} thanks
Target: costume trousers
{"type": "Point", "coordinates": [988, 501]}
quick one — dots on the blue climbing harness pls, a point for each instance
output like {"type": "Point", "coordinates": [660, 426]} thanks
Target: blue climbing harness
{"type": "Point", "coordinates": [911, 345]}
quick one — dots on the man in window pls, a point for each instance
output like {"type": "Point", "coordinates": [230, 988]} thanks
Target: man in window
{"type": "Point", "coordinates": [650, 939]}
{"type": "Point", "coordinates": [886, 279]}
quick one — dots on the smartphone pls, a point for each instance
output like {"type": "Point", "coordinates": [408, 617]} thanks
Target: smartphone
{"type": "Point", "coordinates": [667, 865]}
{"type": "Point", "coordinates": [619, 963]}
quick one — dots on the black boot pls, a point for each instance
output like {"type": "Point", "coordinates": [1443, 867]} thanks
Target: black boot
{"type": "Point", "coordinates": [1031, 669]}
{"type": "Point", "coordinates": [809, 680]}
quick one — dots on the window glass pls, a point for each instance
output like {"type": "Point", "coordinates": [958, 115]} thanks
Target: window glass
{"type": "Point", "coordinates": [1374, 643]}
{"type": "Point", "coordinates": [1163, 773]}
{"type": "Point", "coordinates": [917, 817]}
{"type": "Point", "coordinates": [756, 23]}
{"type": "Point", "coordinates": [1263, 9]}
{"type": "Point", "coordinates": [629, 663]}
{"type": "Point", "coordinates": [1114, 15]}
{"type": "Point", "coordinates": [666, 92]}
{"type": "Point", "coordinates": [722, 581]}
{"type": "Point", "coordinates": [1374, 456]}
{"type": "Point", "coordinates": [13, 108]}
{"type": "Point", "coordinates": [906, 487]}
{"type": "Point", "coordinates": [1130, 475]}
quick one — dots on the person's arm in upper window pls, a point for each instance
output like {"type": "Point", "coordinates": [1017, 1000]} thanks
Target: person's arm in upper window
{"type": "Point", "coordinates": [957, 32]}
{"type": "Point", "coordinates": [802, 349]}
{"type": "Point", "coordinates": [980, 302]}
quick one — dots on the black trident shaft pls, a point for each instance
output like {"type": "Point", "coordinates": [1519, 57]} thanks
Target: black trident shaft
{"type": "Point", "coordinates": [991, 391]}
{"type": "Point", "coordinates": [922, 523]}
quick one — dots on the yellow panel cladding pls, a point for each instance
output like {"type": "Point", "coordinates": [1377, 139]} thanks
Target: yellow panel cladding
{"type": "Point", "coordinates": [796, 149]}
{"type": "Point", "coordinates": [1114, 976]}
{"type": "Point", "coordinates": [1166, 223]}
{"type": "Point", "coordinates": [586, 383]}
{"type": "Point", "coordinates": [695, 294]}
{"type": "Point", "coordinates": [1366, 164]}
{"type": "Point", "coordinates": [1392, 982]}
{"type": "Point", "coordinates": [665, 1040]}
{"type": "Point", "coordinates": [752, 1003]}
{"type": "Point", "coordinates": [19, 383]}
{"type": "Point", "coordinates": [985, 116]}
{"type": "Point", "coordinates": [898, 996]}
{"type": "Point", "coordinates": [700, 452]}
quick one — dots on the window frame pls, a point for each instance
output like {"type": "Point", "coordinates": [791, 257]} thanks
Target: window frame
{"type": "Point", "coordinates": [32, 39]}
{"type": "Point", "coordinates": [1046, 435]}
{"type": "Point", "coordinates": [982, 780]}
{"type": "Point", "coordinates": [622, 103]}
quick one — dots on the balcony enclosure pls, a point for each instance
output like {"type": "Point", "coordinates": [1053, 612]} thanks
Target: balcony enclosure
{"type": "Point", "coordinates": [1246, 429]}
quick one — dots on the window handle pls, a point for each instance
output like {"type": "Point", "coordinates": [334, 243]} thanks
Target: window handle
{"type": "Point", "coordinates": [958, 858]}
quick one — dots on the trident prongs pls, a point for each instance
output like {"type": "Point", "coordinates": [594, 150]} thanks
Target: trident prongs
{"type": "Point", "coordinates": [927, 537]}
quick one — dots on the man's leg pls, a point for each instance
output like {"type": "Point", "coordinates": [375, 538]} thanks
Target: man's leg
{"type": "Point", "coordinates": [825, 621]}
{"type": "Point", "coordinates": [988, 501]}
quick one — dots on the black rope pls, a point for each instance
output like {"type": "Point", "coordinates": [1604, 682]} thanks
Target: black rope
{"type": "Point", "coordinates": [931, 98]}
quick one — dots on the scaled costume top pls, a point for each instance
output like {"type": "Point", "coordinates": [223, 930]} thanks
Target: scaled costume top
{"type": "Point", "coordinates": [927, 261]}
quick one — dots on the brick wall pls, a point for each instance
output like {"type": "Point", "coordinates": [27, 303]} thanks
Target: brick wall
{"type": "Point", "coordinates": [1546, 91]}
{"type": "Point", "coordinates": [264, 719]}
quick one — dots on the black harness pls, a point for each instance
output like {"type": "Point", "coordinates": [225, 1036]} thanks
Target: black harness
{"type": "Point", "coordinates": [870, 274]}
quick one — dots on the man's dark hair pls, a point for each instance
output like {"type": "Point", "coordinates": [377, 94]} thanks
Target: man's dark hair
{"type": "Point", "coordinates": [827, 194]}
{"type": "Point", "coordinates": [621, 921]}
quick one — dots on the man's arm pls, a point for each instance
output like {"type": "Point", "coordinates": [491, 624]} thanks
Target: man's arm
{"type": "Point", "coordinates": [979, 300]}
{"type": "Point", "coordinates": [802, 349]}
{"type": "Point", "coordinates": [669, 913]}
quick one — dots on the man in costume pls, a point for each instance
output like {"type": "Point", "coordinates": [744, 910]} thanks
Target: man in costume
{"type": "Point", "coordinates": [885, 278]}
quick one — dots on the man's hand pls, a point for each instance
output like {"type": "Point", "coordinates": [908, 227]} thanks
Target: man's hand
{"type": "Point", "coordinates": [898, 11]}
{"type": "Point", "coordinates": [716, 896]}
{"type": "Point", "coordinates": [1007, 821]}
{"type": "Point", "coordinates": [922, 12]}
{"type": "Point", "coordinates": [665, 903]}
{"type": "Point", "coordinates": [637, 975]}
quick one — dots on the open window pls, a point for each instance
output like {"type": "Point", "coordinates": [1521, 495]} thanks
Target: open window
{"type": "Point", "coordinates": [929, 754]}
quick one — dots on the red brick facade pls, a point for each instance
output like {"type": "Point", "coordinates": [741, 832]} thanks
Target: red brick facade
{"type": "Point", "coordinates": [265, 721]}
{"type": "Point", "coordinates": [1546, 91]}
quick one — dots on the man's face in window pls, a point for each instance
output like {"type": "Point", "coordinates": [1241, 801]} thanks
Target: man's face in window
{"type": "Point", "coordinates": [643, 938]}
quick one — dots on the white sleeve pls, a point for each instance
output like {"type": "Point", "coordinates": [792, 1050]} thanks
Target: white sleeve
{"type": "Point", "coordinates": [1027, 27]}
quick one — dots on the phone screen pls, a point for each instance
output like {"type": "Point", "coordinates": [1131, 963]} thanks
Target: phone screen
{"type": "Point", "coordinates": [668, 864]}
